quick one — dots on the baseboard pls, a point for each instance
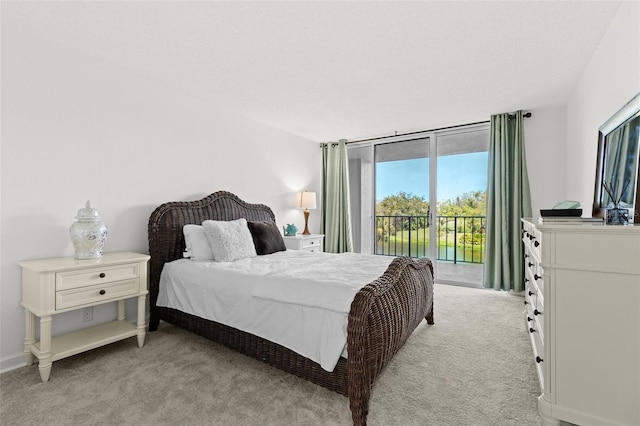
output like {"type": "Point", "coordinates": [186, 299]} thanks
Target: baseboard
{"type": "Point", "coordinates": [12, 363]}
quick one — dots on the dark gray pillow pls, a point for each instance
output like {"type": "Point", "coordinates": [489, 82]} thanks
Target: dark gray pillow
{"type": "Point", "coordinates": [266, 237]}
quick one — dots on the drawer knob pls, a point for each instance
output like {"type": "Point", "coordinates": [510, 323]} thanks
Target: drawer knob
{"type": "Point", "coordinates": [531, 237]}
{"type": "Point", "coordinates": [102, 275]}
{"type": "Point", "coordinates": [529, 319]}
{"type": "Point", "coordinates": [530, 293]}
{"type": "Point", "coordinates": [526, 255]}
{"type": "Point", "coordinates": [536, 243]}
{"type": "Point", "coordinates": [102, 292]}
{"type": "Point", "coordinates": [530, 264]}
{"type": "Point", "coordinates": [538, 359]}
{"type": "Point", "coordinates": [536, 277]}
{"type": "Point", "coordinates": [526, 303]}
{"type": "Point", "coordinates": [536, 312]}
{"type": "Point", "coordinates": [532, 330]}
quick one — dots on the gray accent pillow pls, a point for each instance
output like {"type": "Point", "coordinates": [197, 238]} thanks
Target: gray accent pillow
{"type": "Point", "coordinates": [266, 237]}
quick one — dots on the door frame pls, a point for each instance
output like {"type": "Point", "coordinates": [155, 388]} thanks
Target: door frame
{"type": "Point", "coordinates": [433, 136]}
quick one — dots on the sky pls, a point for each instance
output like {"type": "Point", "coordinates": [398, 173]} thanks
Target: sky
{"type": "Point", "coordinates": [457, 174]}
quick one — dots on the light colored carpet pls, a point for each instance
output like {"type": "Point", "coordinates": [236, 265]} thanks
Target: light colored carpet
{"type": "Point", "coordinates": [473, 367]}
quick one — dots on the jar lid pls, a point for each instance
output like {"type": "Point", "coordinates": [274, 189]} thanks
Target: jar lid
{"type": "Point", "coordinates": [88, 213]}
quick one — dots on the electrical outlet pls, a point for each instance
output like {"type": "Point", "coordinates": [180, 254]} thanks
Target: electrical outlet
{"type": "Point", "coordinates": [87, 314]}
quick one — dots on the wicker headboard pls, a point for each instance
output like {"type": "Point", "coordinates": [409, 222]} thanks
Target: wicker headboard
{"type": "Point", "coordinates": [166, 240]}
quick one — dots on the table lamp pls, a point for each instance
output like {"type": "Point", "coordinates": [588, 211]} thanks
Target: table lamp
{"type": "Point", "coordinates": [306, 200]}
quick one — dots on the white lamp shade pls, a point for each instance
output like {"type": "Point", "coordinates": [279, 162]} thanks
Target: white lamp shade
{"type": "Point", "coordinates": [306, 200]}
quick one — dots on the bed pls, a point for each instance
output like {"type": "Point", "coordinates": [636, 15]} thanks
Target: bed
{"type": "Point", "coordinates": [382, 315]}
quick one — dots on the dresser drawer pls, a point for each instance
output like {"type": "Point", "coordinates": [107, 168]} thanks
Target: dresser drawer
{"type": "Point", "coordinates": [538, 314]}
{"type": "Point", "coordinates": [96, 294]}
{"type": "Point", "coordinates": [530, 293]}
{"type": "Point", "coordinates": [96, 276]}
{"type": "Point", "coordinates": [532, 239]}
{"type": "Point", "coordinates": [538, 355]}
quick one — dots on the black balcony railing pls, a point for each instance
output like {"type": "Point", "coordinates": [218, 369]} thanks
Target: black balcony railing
{"type": "Point", "coordinates": [459, 238]}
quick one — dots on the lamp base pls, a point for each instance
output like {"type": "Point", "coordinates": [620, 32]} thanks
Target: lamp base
{"type": "Point", "coordinates": [306, 223]}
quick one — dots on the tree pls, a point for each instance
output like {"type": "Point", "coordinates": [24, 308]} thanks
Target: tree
{"type": "Point", "coordinates": [473, 204]}
{"type": "Point", "coordinates": [400, 204]}
{"type": "Point", "coordinates": [468, 204]}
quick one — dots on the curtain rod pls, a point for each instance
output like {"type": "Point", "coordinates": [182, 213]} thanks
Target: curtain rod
{"type": "Point", "coordinates": [526, 115]}
{"type": "Point", "coordinates": [414, 133]}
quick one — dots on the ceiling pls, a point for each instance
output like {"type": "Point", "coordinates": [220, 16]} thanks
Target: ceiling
{"type": "Point", "coordinates": [331, 70]}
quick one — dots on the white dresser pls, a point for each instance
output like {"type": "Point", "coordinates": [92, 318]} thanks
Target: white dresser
{"type": "Point", "coordinates": [310, 243]}
{"type": "Point", "coordinates": [53, 286]}
{"type": "Point", "coordinates": [582, 312]}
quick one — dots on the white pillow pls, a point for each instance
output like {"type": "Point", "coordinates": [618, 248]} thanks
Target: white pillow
{"type": "Point", "coordinates": [229, 240]}
{"type": "Point", "coordinates": [197, 245]}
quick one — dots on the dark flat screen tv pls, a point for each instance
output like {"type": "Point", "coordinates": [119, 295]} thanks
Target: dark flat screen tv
{"type": "Point", "coordinates": [618, 162]}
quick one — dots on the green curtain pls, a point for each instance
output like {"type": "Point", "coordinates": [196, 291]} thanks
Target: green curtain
{"type": "Point", "coordinates": [508, 199]}
{"type": "Point", "coordinates": [336, 217]}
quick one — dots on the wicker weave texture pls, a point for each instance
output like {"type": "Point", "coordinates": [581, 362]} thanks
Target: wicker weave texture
{"type": "Point", "coordinates": [383, 314]}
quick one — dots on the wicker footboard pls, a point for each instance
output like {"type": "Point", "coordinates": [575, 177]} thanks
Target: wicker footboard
{"type": "Point", "coordinates": [383, 315]}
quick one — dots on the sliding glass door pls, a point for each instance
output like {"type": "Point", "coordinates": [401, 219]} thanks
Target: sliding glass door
{"type": "Point", "coordinates": [460, 221]}
{"type": "Point", "coordinates": [423, 197]}
{"type": "Point", "coordinates": [402, 198]}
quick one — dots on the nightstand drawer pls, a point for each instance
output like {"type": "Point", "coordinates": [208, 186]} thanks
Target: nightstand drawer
{"type": "Point", "coordinates": [96, 294]}
{"type": "Point", "coordinates": [311, 243]}
{"type": "Point", "coordinates": [96, 276]}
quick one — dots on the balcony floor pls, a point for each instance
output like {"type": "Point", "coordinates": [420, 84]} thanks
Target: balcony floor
{"type": "Point", "coordinates": [468, 274]}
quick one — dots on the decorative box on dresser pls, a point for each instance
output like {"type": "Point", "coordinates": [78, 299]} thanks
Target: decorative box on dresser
{"type": "Point", "coordinates": [310, 243]}
{"type": "Point", "coordinates": [53, 286]}
{"type": "Point", "coordinates": [582, 310]}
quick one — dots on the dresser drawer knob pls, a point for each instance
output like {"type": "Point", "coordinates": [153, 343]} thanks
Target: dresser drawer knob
{"type": "Point", "coordinates": [529, 319]}
{"type": "Point", "coordinates": [536, 277]}
{"type": "Point", "coordinates": [538, 359]}
{"type": "Point", "coordinates": [536, 243]}
{"type": "Point", "coordinates": [532, 330]}
{"type": "Point", "coordinates": [102, 275]}
{"type": "Point", "coordinates": [530, 293]}
{"type": "Point", "coordinates": [526, 303]}
{"type": "Point", "coordinates": [537, 312]}
{"type": "Point", "coordinates": [530, 264]}
{"type": "Point", "coordinates": [102, 292]}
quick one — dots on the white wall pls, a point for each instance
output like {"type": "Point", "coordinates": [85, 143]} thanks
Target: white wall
{"type": "Point", "coordinates": [545, 151]}
{"type": "Point", "coordinates": [76, 126]}
{"type": "Point", "coordinates": [609, 81]}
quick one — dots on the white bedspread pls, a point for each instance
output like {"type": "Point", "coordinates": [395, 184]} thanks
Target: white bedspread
{"type": "Point", "coordinates": [330, 281]}
{"type": "Point", "coordinates": [297, 299]}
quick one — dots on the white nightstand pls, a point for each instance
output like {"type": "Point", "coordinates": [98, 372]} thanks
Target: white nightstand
{"type": "Point", "coordinates": [53, 286]}
{"type": "Point", "coordinates": [311, 242]}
